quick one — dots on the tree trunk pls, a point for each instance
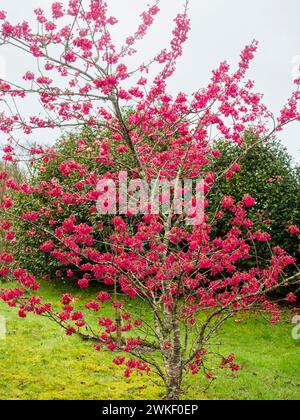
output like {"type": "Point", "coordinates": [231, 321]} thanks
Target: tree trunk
{"type": "Point", "coordinates": [118, 318]}
{"type": "Point", "coordinates": [174, 388]}
{"type": "Point", "coordinates": [174, 368]}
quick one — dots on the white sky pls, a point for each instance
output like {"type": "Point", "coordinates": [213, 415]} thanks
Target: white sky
{"type": "Point", "coordinates": [220, 30]}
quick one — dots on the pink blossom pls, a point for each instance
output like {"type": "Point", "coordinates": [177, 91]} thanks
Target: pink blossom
{"type": "Point", "coordinates": [248, 201]}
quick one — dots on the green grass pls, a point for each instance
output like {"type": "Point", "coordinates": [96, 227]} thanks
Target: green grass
{"type": "Point", "coordinates": [37, 361]}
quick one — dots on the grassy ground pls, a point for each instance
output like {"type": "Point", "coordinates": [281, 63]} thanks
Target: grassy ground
{"type": "Point", "coordinates": [37, 361]}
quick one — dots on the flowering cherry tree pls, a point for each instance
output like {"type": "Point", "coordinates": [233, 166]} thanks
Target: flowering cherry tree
{"type": "Point", "coordinates": [189, 281]}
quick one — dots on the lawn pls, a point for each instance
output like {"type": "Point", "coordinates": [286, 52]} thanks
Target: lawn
{"type": "Point", "coordinates": [37, 361]}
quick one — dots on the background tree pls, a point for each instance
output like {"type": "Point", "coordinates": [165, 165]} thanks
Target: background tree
{"type": "Point", "coordinates": [81, 148]}
{"type": "Point", "coordinates": [267, 173]}
{"type": "Point", "coordinates": [7, 170]}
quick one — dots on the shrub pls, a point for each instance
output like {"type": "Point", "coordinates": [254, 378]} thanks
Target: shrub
{"type": "Point", "coordinates": [83, 148]}
{"type": "Point", "coordinates": [268, 174]}
{"type": "Point", "coordinates": [7, 170]}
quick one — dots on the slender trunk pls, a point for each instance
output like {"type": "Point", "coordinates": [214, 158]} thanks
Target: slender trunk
{"type": "Point", "coordinates": [119, 327]}
{"type": "Point", "coordinates": [118, 318]}
{"type": "Point", "coordinates": [173, 390]}
{"type": "Point", "coordinates": [174, 380]}
{"type": "Point", "coordinates": [174, 365]}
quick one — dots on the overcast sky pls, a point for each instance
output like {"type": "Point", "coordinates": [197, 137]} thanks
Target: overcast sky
{"type": "Point", "coordinates": [220, 29]}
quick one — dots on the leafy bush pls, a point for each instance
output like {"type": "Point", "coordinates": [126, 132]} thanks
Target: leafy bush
{"type": "Point", "coordinates": [82, 147]}
{"type": "Point", "coordinates": [13, 171]}
{"type": "Point", "coordinates": [268, 174]}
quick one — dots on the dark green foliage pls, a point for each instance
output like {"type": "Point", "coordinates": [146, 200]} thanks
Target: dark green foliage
{"type": "Point", "coordinates": [269, 175]}
{"type": "Point", "coordinates": [12, 171]}
{"type": "Point", "coordinates": [27, 250]}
